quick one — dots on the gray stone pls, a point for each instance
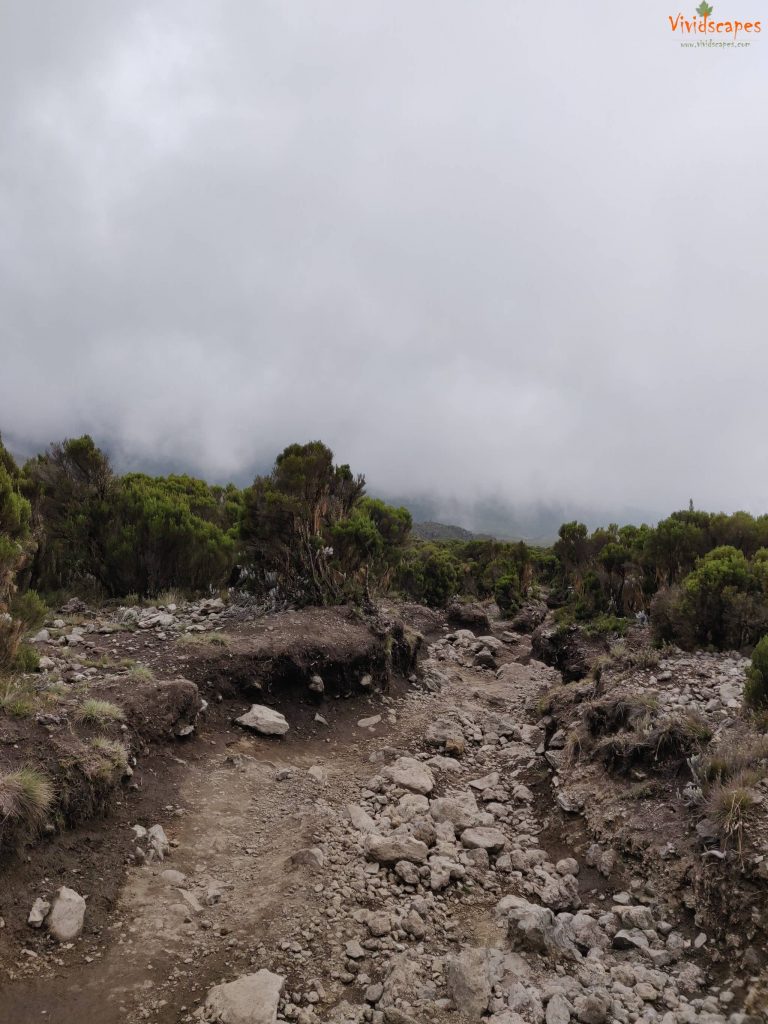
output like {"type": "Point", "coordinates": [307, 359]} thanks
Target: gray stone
{"type": "Point", "coordinates": [558, 1011]}
{"type": "Point", "coordinates": [536, 927]}
{"type": "Point", "coordinates": [411, 774]}
{"type": "Point", "coordinates": [264, 720]}
{"type": "Point", "coordinates": [171, 877]}
{"type": "Point", "coordinates": [360, 818]}
{"type": "Point", "coordinates": [469, 981]}
{"type": "Point", "coordinates": [65, 921]}
{"type": "Point", "coordinates": [630, 938]}
{"type": "Point", "coordinates": [252, 999]}
{"type": "Point", "coordinates": [461, 810]}
{"type": "Point", "coordinates": [159, 846]}
{"type": "Point", "coordinates": [484, 838]}
{"type": "Point", "coordinates": [391, 849]}
{"type": "Point", "coordinates": [312, 858]}
{"type": "Point", "coordinates": [38, 913]}
{"type": "Point", "coordinates": [368, 723]}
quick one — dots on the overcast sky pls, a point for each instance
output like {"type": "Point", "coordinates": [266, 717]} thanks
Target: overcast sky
{"type": "Point", "coordinates": [511, 249]}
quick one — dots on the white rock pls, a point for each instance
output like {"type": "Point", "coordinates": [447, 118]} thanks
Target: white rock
{"type": "Point", "coordinates": [410, 774]}
{"type": "Point", "coordinates": [360, 819]}
{"type": "Point", "coordinates": [484, 838]}
{"type": "Point", "coordinates": [264, 720]}
{"type": "Point", "coordinates": [252, 999]}
{"type": "Point", "coordinates": [159, 844]}
{"type": "Point", "coordinates": [65, 921]}
{"type": "Point", "coordinates": [38, 913]}
{"type": "Point", "coordinates": [391, 849]}
{"type": "Point", "coordinates": [368, 723]}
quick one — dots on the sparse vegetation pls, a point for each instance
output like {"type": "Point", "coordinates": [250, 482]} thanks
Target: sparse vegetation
{"type": "Point", "coordinates": [140, 673]}
{"type": "Point", "coordinates": [99, 712]}
{"type": "Point", "coordinates": [17, 697]}
{"type": "Point", "coordinates": [210, 638]}
{"type": "Point", "coordinates": [113, 753]}
{"type": "Point", "coordinates": [729, 805]}
{"type": "Point", "coordinates": [735, 756]}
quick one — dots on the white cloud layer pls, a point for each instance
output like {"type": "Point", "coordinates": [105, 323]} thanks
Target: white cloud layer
{"type": "Point", "coordinates": [511, 249]}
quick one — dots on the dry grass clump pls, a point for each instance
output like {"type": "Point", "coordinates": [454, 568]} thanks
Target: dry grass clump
{"type": "Point", "coordinates": [645, 657]}
{"type": "Point", "coordinates": [210, 639]}
{"type": "Point", "coordinates": [25, 799]}
{"type": "Point", "coordinates": [17, 697]}
{"type": "Point", "coordinates": [112, 755]}
{"type": "Point", "coordinates": [141, 674]}
{"type": "Point", "coordinates": [99, 712]}
{"type": "Point", "coordinates": [626, 730]}
{"type": "Point", "coordinates": [610, 714]}
{"type": "Point", "coordinates": [737, 755]}
{"type": "Point", "coordinates": [654, 741]}
{"type": "Point", "coordinates": [729, 805]}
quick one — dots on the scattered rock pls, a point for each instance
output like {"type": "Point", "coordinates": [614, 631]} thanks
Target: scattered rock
{"type": "Point", "coordinates": [264, 720]}
{"type": "Point", "coordinates": [38, 913]}
{"type": "Point", "coordinates": [252, 999]}
{"type": "Point", "coordinates": [65, 920]}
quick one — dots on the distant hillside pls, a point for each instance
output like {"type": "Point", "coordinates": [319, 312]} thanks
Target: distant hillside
{"type": "Point", "coordinates": [444, 531]}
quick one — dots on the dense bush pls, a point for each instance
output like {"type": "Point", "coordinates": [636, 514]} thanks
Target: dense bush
{"type": "Point", "coordinates": [155, 539]}
{"type": "Point", "coordinates": [703, 576]}
{"type": "Point", "coordinates": [507, 593]}
{"type": "Point", "coordinates": [129, 534]}
{"type": "Point", "coordinates": [756, 686]}
{"type": "Point", "coordinates": [18, 612]}
{"type": "Point", "coordinates": [310, 532]}
{"type": "Point", "coordinates": [429, 574]}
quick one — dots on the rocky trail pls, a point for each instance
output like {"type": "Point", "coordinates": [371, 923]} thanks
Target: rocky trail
{"type": "Point", "coordinates": [415, 860]}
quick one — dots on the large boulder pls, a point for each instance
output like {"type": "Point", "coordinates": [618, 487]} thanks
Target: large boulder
{"type": "Point", "coordinates": [264, 720]}
{"type": "Point", "coordinates": [565, 648]}
{"type": "Point", "coordinates": [461, 810]}
{"type": "Point", "coordinates": [529, 617]}
{"type": "Point", "coordinates": [252, 999]}
{"type": "Point", "coordinates": [536, 927]}
{"type": "Point", "coordinates": [472, 616]}
{"type": "Point", "coordinates": [65, 920]}
{"type": "Point", "coordinates": [410, 774]}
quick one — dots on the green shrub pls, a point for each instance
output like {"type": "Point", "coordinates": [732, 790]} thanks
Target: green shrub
{"type": "Point", "coordinates": [26, 659]}
{"type": "Point", "coordinates": [756, 685]}
{"type": "Point", "coordinates": [429, 574]}
{"type": "Point", "coordinates": [507, 594]}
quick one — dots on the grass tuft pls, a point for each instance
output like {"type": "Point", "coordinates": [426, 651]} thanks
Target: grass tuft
{"type": "Point", "coordinates": [17, 697]}
{"type": "Point", "coordinates": [25, 798]}
{"type": "Point", "coordinates": [209, 639]}
{"type": "Point", "coordinates": [99, 712]}
{"type": "Point", "coordinates": [112, 751]}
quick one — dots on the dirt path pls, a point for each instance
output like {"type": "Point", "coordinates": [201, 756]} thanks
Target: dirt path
{"type": "Point", "coordinates": [248, 805]}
